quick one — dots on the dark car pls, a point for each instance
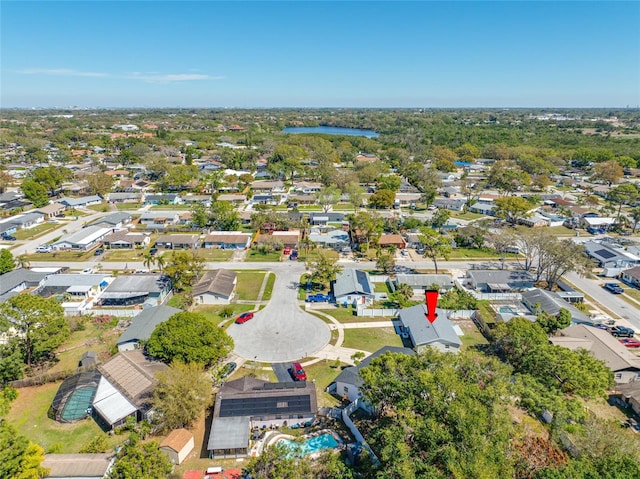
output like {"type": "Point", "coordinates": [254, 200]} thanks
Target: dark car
{"type": "Point", "coordinates": [228, 369]}
{"type": "Point", "coordinates": [297, 373]}
{"type": "Point", "coordinates": [318, 298]}
{"type": "Point", "coordinates": [613, 288]}
{"type": "Point", "coordinates": [153, 251]}
{"type": "Point", "coordinates": [622, 332]}
{"type": "Point", "coordinates": [244, 317]}
{"type": "Point", "coordinates": [294, 255]}
{"type": "Point", "coordinates": [8, 238]}
{"type": "Point", "coordinates": [98, 252]}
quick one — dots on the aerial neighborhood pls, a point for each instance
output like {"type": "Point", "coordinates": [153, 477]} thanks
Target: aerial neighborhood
{"type": "Point", "coordinates": [219, 293]}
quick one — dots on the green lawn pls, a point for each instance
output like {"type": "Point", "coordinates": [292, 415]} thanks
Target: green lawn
{"type": "Point", "coordinates": [29, 415]}
{"type": "Point", "coordinates": [467, 216]}
{"type": "Point", "coordinates": [128, 206]}
{"type": "Point", "coordinates": [552, 231]}
{"type": "Point", "coordinates": [171, 207]}
{"type": "Point", "coordinates": [101, 208]}
{"type": "Point", "coordinates": [322, 374]}
{"type": "Point", "coordinates": [381, 287]}
{"type": "Point", "coordinates": [268, 289]}
{"type": "Point", "coordinates": [124, 255]}
{"type": "Point", "coordinates": [212, 312]}
{"type": "Point", "coordinates": [474, 253]}
{"type": "Point", "coordinates": [215, 254]}
{"type": "Point", "coordinates": [341, 314]}
{"type": "Point", "coordinates": [371, 339]}
{"type": "Point", "coordinates": [61, 256]}
{"type": "Point", "coordinates": [258, 257]}
{"type": "Point", "coordinates": [632, 292]}
{"type": "Point", "coordinates": [472, 336]}
{"type": "Point", "coordinates": [36, 231]}
{"type": "Point", "coordinates": [248, 285]}
{"type": "Point", "coordinates": [329, 253]}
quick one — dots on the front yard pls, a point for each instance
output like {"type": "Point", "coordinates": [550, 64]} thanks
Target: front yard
{"type": "Point", "coordinates": [371, 339]}
{"type": "Point", "coordinates": [214, 254]}
{"type": "Point", "coordinates": [248, 285]}
{"type": "Point", "coordinates": [61, 256]}
{"type": "Point", "coordinates": [39, 230]}
{"type": "Point", "coordinates": [254, 255]}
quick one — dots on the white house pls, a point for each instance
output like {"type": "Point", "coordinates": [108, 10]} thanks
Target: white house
{"type": "Point", "coordinates": [83, 240]}
{"type": "Point", "coordinates": [215, 287]}
{"type": "Point", "coordinates": [353, 286]}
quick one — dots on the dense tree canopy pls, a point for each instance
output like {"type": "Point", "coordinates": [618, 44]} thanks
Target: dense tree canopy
{"type": "Point", "coordinates": [139, 460]}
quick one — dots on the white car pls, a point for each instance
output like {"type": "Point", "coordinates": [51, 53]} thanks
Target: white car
{"type": "Point", "coordinates": [87, 271]}
{"type": "Point", "coordinates": [44, 249]}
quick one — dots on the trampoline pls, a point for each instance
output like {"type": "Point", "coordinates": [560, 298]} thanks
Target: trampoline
{"type": "Point", "coordinates": [74, 397]}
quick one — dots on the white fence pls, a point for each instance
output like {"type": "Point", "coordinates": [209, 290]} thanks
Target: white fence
{"type": "Point", "coordinates": [378, 278]}
{"type": "Point", "coordinates": [124, 313]}
{"type": "Point", "coordinates": [460, 314]}
{"type": "Point", "coordinates": [354, 430]}
{"type": "Point", "coordinates": [377, 312]}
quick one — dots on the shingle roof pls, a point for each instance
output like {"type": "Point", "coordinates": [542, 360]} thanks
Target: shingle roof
{"type": "Point", "coordinates": [499, 276]}
{"type": "Point", "coordinates": [14, 278]}
{"type": "Point", "coordinates": [144, 323]}
{"type": "Point", "coordinates": [352, 281]}
{"type": "Point", "coordinates": [77, 465]}
{"type": "Point", "coordinates": [114, 218]}
{"type": "Point", "coordinates": [220, 282]}
{"type": "Point", "coordinates": [551, 303]}
{"type": "Point", "coordinates": [177, 439]}
{"type": "Point", "coordinates": [423, 332]}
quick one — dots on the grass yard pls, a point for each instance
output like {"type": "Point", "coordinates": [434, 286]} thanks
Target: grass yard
{"type": "Point", "coordinates": [323, 374]}
{"type": "Point", "coordinates": [473, 253]}
{"type": "Point", "coordinates": [258, 257]}
{"type": "Point", "coordinates": [29, 415]}
{"type": "Point", "coordinates": [61, 256]}
{"type": "Point", "coordinates": [631, 292]}
{"type": "Point", "coordinates": [128, 206]}
{"type": "Point", "coordinates": [248, 285]}
{"type": "Point", "coordinates": [124, 255]}
{"type": "Point", "coordinates": [343, 315]}
{"type": "Point", "coordinates": [171, 207]}
{"type": "Point", "coordinates": [101, 208]}
{"type": "Point", "coordinates": [371, 339]}
{"type": "Point", "coordinates": [214, 254]}
{"type": "Point", "coordinates": [472, 336]}
{"type": "Point", "coordinates": [467, 216]}
{"type": "Point", "coordinates": [552, 230]}
{"type": "Point", "coordinates": [212, 312]}
{"type": "Point", "coordinates": [381, 287]}
{"type": "Point", "coordinates": [268, 289]}
{"type": "Point", "coordinates": [31, 233]}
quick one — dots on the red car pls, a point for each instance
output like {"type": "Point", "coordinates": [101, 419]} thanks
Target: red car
{"type": "Point", "coordinates": [298, 373]}
{"type": "Point", "coordinates": [287, 250]}
{"type": "Point", "coordinates": [244, 317]}
{"type": "Point", "coordinates": [630, 342]}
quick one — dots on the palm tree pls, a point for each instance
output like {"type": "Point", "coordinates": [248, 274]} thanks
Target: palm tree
{"type": "Point", "coordinates": [160, 262]}
{"type": "Point", "coordinates": [405, 291]}
{"type": "Point", "coordinates": [148, 260]}
{"type": "Point", "coordinates": [635, 216]}
{"type": "Point", "coordinates": [22, 262]}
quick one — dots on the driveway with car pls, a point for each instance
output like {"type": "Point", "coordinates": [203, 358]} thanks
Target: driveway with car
{"type": "Point", "coordinates": [282, 331]}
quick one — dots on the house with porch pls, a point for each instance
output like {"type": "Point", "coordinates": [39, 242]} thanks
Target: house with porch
{"type": "Point", "coordinates": [51, 210]}
{"type": "Point", "coordinates": [126, 240]}
{"type": "Point", "coordinates": [631, 276]}
{"type": "Point", "coordinates": [135, 290]}
{"type": "Point", "coordinates": [159, 219]}
{"type": "Point", "coordinates": [451, 204]}
{"type": "Point", "coordinates": [82, 240]}
{"type": "Point", "coordinates": [353, 286]}
{"type": "Point", "coordinates": [392, 240]}
{"type": "Point", "coordinates": [498, 280]}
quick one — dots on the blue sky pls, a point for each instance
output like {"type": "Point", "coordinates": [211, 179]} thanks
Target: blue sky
{"type": "Point", "coordinates": [319, 54]}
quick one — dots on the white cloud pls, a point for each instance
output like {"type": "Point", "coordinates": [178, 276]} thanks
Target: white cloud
{"type": "Point", "coordinates": [61, 72]}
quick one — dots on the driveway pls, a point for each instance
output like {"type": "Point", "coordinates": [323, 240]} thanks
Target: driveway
{"type": "Point", "coordinates": [281, 371]}
{"type": "Point", "coordinates": [281, 332]}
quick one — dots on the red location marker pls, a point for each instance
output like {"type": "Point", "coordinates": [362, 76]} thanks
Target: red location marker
{"type": "Point", "coordinates": [432, 301]}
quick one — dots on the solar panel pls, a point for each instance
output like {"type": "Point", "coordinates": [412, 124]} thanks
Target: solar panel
{"type": "Point", "coordinates": [606, 254]}
{"type": "Point", "coordinates": [265, 405]}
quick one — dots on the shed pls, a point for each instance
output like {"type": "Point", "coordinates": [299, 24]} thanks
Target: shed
{"type": "Point", "coordinates": [84, 466]}
{"type": "Point", "coordinates": [177, 445]}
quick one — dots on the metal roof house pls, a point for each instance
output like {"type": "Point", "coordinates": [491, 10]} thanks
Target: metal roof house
{"type": "Point", "coordinates": [498, 280]}
{"type": "Point", "coordinates": [537, 300]}
{"type": "Point", "coordinates": [114, 220]}
{"type": "Point", "coordinates": [248, 403]}
{"type": "Point", "coordinates": [80, 202]}
{"type": "Point", "coordinates": [143, 325]}
{"type": "Point", "coordinates": [613, 259]}
{"type": "Point", "coordinates": [603, 346]}
{"type": "Point", "coordinates": [439, 334]}
{"type": "Point", "coordinates": [353, 286]}
{"type": "Point", "coordinates": [82, 240]}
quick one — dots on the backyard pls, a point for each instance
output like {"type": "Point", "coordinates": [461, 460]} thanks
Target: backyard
{"type": "Point", "coordinates": [212, 312]}
{"type": "Point", "coordinates": [61, 256]}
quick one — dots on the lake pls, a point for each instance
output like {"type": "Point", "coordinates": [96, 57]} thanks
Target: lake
{"type": "Point", "coordinates": [332, 130]}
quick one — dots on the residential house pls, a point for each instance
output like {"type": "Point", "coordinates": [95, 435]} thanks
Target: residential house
{"type": "Point", "coordinates": [353, 286]}
{"type": "Point", "coordinates": [498, 280]}
{"type": "Point", "coordinates": [80, 466]}
{"type": "Point", "coordinates": [159, 219]}
{"type": "Point", "coordinates": [178, 445]}
{"type": "Point", "coordinates": [483, 209]}
{"type": "Point", "coordinates": [163, 199]}
{"type": "Point", "coordinates": [629, 395]}
{"type": "Point", "coordinates": [125, 389]}
{"type": "Point", "coordinates": [307, 187]}
{"type": "Point", "coordinates": [18, 280]}
{"type": "Point", "coordinates": [537, 300]}
{"type": "Point", "coordinates": [590, 221]}
{"type": "Point", "coordinates": [268, 187]}
{"type": "Point", "coordinates": [612, 258]}
{"type": "Point", "coordinates": [423, 282]}
{"type": "Point", "coordinates": [227, 240]}
{"type": "Point", "coordinates": [51, 210]}
{"type": "Point", "coordinates": [215, 287]}
{"type": "Point", "coordinates": [28, 220]}
{"type": "Point", "coordinates": [248, 403]}
{"type": "Point", "coordinates": [81, 202]}
{"type": "Point", "coordinates": [440, 334]}
{"type": "Point", "coordinates": [348, 382]}
{"type": "Point", "coordinates": [78, 287]}
{"type": "Point", "coordinates": [125, 197]}
{"type": "Point", "coordinates": [451, 204]}
{"type": "Point", "coordinates": [114, 220]}
{"type": "Point", "coordinates": [197, 200]}
{"type": "Point", "coordinates": [392, 240]}
{"type": "Point", "coordinates": [180, 241]}
{"type": "Point", "coordinates": [336, 239]}
{"type": "Point", "coordinates": [603, 346]}
{"type": "Point", "coordinates": [82, 240]}
{"type": "Point", "coordinates": [126, 240]}
{"type": "Point", "coordinates": [451, 192]}
{"type": "Point", "coordinates": [407, 199]}
{"type": "Point", "coordinates": [286, 238]}
{"type": "Point", "coordinates": [326, 218]}
{"type": "Point", "coordinates": [143, 325]}
{"type": "Point", "coordinates": [236, 199]}
{"type": "Point", "coordinates": [134, 290]}
{"type": "Point", "coordinates": [366, 158]}
{"type": "Point", "coordinates": [631, 276]}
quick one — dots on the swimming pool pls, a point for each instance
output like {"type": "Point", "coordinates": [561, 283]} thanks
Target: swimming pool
{"type": "Point", "coordinates": [312, 445]}
{"type": "Point", "coordinates": [509, 310]}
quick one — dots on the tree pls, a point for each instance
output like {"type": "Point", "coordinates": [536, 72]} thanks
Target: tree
{"type": "Point", "coordinates": [147, 260]}
{"type": "Point", "coordinates": [7, 262]}
{"type": "Point", "coordinates": [557, 257]}
{"type": "Point", "coordinates": [510, 208]}
{"type": "Point", "coordinates": [35, 192]}
{"type": "Point", "coordinates": [199, 215]}
{"type": "Point", "coordinates": [139, 460]}
{"type": "Point", "coordinates": [551, 323]}
{"type": "Point", "coordinates": [365, 227]}
{"type": "Point", "coordinates": [403, 294]}
{"type": "Point", "coordinates": [609, 172]}
{"type": "Point", "coordinates": [382, 199]}
{"type": "Point", "coordinates": [51, 177]}
{"type": "Point", "coordinates": [224, 217]}
{"type": "Point", "coordinates": [323, 269]}
{"type": "Point", "coordinates": [355, 193]}
{"type": "Point", "coordinates": [11, 361]}
{"type": "Point", "coordinates": [182, 394]}
{"type": "Point", "coordinates": [389, 182]}
{"type": "Point", "coordinates": [440, 218]}
{"type": "Point", "coordinates": [385, 263]}
{"type": "Point", "coordinates": [457, 299]}
{"type": "Point", "coordinates": [190, 338]}
{"type": "Point", "coordinates": [435, 245]}
{"type": "Point", "coordinates": [507, 177]}
{"type": "Point", "coordinates": [635, 216]}
{"type": "Point", "coordinates": [39, 322]}
{"type": "Point", "coordinates": [277, 461]}
{"type": "Point", "coordinates": [328, 196]}
{"type": "Point", "coordinates": [98, 444]}
{"type": "Point", "coordinates": [623, 194]}
{"type": "Point", "coordinates": [100, 183]}
{"type": "Point", "coordinates": [19, 457]}
{"type": "Point", "coordinates": [183, 268]}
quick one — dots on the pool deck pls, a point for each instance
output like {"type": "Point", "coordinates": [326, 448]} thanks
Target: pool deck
{"type": "Point", "coordinates": [274, 437]}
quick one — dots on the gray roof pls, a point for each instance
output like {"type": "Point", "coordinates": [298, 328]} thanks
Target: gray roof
{"type": "Point", "coordinates": [152, 215]}
{"type": "Point", "coordinates": [15, 278]}
{"type": "Point", "coordinates": [332, 237]}
{"type": "Point", "coordinates": [418, 280]}
{"type": "Point", "coordinates": [220, 282]}
{"type": "Point", "coordinates": [499, 276]}
{"type": "Point", "coordinates": [483, 207]}
{"type": "Point", "coordinates": [79, 201]}
{"type": "Point", "coordinates": [167, 196]}
{"type": "Point", "coordinates": [229, 433]}
{"type": "Point", "coordinates": [144, 323]}
{"type": "Point", "coordinates": [74, 280]}
{"type": "Point", "coordinates": [147, 283]}
{"type": "Point", "coordinates": [351, 375]}
{"type": "Point", "coordinates": [114, 218]}
{"type": "Point", "coordinates": [27, 218]}
{"type": "Point", "coordinates": [551, 303]}
{"type": "Point", "coordinates": [78, 465]}
{"type": "Point", "coordinates": [351, 281]}
{"type": "Point", "coordinates": [78, 236]}
{"type": "Point", "coordinates": [423, 332]}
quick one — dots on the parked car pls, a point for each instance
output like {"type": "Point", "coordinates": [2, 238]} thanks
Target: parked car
{"type": "Point", "coordinates": [244, 317]}
{"type": "Point", "coordinates": [297, 373]}
{"type": "Point", "coordinates": [294, 255]}
{"type": "Point", "coordinates": [613, 288]}
{"type": "Point", "coordinates": [44, 249]}
{"type": "Point", "coordinates": [98, 252]}
{"type": "Point", "coordinates": [621, 332]}
{"type": "Point", "coordinates": [153, 251]}
{"type": "Point", "coordinates": [8, 237]}
{"type": "Point", "coordinates": [404, 252]}
{"type": "Point", "coordinates": [287, 250]}
{"type": "Point", "coordinates": [87, 271]}
{"type": "Point", "coordinates": [630, 342]}
{"type": "Point", "coordinates": [228, 369]}
{"type": "Point", "coordinates": [318, 298]}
